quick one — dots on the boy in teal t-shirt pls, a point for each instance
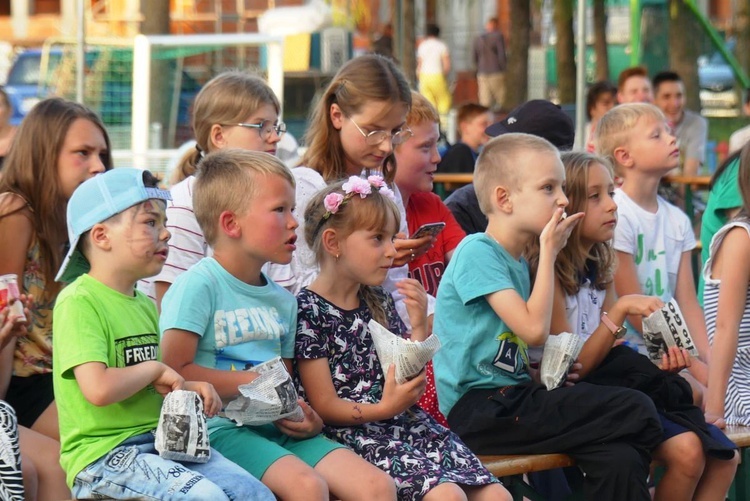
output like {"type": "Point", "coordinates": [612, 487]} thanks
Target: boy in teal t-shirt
{"type": "Point", "coordinates": [109, 383]}
{"type": "Point", "coordinates": [486, 316]}
{"type": "Point", "coordinates": [223, 316]}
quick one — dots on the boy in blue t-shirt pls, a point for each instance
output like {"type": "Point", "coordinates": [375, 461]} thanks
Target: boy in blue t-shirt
{"type": "Point", "coordinates": [224, 316]}
{"type": "Point", "coordinates": [108, 379]}
{"type": "Point", "coordinates": [486, 317]}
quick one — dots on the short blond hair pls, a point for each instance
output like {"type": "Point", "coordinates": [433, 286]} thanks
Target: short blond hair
{"type": "Point", "coordinates": [227, 180]}
{"type": "Point", "coordinates": [498, 164]}
{"type": "Point", "coordinates": [421, 111]}
{"type": "Point", "coordinates": [615, 127]}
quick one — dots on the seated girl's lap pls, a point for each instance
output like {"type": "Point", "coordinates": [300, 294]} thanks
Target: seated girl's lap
{"type": "Point", "coordinates": [256, 448]}
{"type": "Point", "coordinates": [30, 396]}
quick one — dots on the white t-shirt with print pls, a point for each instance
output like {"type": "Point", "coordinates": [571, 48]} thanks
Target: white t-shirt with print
{"type": "Point", "coordinates": [656, 241]}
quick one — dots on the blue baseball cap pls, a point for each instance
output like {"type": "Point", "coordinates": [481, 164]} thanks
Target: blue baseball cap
{"type": "Point", "coordinates": [97, 200]}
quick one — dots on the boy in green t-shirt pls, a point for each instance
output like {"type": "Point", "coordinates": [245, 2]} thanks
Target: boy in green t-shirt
{"type": "Point", "coordinates": [109, 382]}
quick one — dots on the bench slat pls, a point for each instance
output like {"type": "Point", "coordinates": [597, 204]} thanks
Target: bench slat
{"type": "Point", "coordinates": [504, 465]}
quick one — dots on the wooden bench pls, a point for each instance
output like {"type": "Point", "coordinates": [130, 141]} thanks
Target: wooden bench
{"type": "Point", "coordinates": [511, 468]}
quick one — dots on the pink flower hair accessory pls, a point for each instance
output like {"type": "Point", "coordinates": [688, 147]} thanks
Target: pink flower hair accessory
{"type": "Point", "coordinates": [355, 185]}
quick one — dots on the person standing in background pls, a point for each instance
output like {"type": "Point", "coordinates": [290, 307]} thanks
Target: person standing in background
{"type": "Point", "coordinates": [490, 61]}
{"type": "Point", "coordinates": [433, 67]}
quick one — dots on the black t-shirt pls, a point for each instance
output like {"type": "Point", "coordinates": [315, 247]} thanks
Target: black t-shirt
{"type": "Point", "coordinates": [459, 158]}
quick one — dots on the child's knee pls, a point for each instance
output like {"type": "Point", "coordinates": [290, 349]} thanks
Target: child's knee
{"type": "Point", "coordinates": [446, 492]}
{"type": "Point", "coordinates": [684, 453]}
{"type": "Point", "coordinates": [380, 485]}
{"type": "Point", "coordinates": [311, 483]}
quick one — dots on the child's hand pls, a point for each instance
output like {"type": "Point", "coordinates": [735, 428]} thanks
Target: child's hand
{"type": "Point", "coordinates": [408, 249]}
{"type": "Point", "coordinates": [311, 426]}
{"type": "Point", "coordinates": [168, 380]}
{"type": "Point", "coordinates": [13, 326]}
{"type": "Point", "coordinates": [573, 374]}
{"type": "Point", "coordinates": [415, 299]}
{"type": "Point", "coordinates": [207, 392]}
{"type": "Point", "coordinates": [399, 397]}
{"type": "Point", "coordinates": [555, 234]}
{"type": "Point", "coordinates": [637, 304]}
{"type": "Point", "coordinates": [675, 360]}
{"type": "Point", "coordinates": [715, 419]}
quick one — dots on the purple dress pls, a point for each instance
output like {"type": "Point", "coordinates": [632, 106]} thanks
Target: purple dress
{"type": "Point", "coordinates": [412, 447]}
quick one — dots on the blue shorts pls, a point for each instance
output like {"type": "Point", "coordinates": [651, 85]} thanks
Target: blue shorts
{"type": "Point", "coordinates": [134, 469]}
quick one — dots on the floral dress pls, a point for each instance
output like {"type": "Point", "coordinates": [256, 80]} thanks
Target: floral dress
{"type": "Point", "coordinates": [412, 447]}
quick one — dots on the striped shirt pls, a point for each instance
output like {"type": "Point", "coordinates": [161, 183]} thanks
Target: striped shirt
{"type": "Point", "coordinates": [737, 399]}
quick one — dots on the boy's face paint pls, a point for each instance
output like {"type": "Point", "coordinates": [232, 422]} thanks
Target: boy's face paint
{"type": "Point", "coordinates": [140, 238]}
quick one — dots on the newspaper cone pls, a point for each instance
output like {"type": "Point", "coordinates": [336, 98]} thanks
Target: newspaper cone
{"type": "Point", "coordinates": [410, 357]}
{"type": "Point", "coordinates": [182, 434]}
{"type": "Point", "coordinates": [560, 351]}
{"type": "Point", "coordinates": [666, 328]}
{"type": "Point", "coordinates": [267, 398]}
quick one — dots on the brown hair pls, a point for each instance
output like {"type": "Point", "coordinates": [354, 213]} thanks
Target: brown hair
{"type": "Point", "coordinates": [627, 73]}
{"type": "Point", "coordinates": [228, 180]}
{"type": "Point", "coordinates": [743, 179]}
{"type": "Point", "coordinates": [573, 261]}
{"type": "Point", "coordinates": [361, 80]}
{"type": "Point", "coordinates": [369, 213]}
{"type": "Point", "coordinates": [227, 98]}
{"type": "Point", "coordinates": [30, 171]}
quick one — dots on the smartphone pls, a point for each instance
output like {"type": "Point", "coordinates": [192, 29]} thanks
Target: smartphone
{"type": "Point", "coordinates": [430, 229]}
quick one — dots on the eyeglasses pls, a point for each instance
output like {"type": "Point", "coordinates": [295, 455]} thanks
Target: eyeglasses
{"type": "Point", "coordinates": [266, 128]}
{"type": "Point", "coordinates": [378, 136]}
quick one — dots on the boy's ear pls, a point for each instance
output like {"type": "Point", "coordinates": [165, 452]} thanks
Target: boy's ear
{"type": "Point", "coordinates": [229, 225]}
{"type": "Point", "coordinates": [623, 157]}
{"type": "Point", "coordinates": [330, 242]}
{"type": "Point", "coordinates": [99, 237]}
{"type": "Point", "coordinates": [216, 136]}
{"type": "Point", "coordinates": [337, 116]}
{"type": "Point", "coordinates": [501, 199]}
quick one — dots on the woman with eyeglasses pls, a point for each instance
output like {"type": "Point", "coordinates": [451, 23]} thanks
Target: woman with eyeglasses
{"type": "Point", "coordinates": [233, 110]}
{"type": "Point", "coordinates": [352, 131]}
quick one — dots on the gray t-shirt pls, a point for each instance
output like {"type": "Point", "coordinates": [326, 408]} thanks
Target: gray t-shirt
{"type": "Point", "coordinates": [692, 134]}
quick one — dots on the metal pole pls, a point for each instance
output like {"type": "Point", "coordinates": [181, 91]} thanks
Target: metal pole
{"type": "Point", "coordinates": [80, 50]}
{"type": "Point", "coordinates": [580, 141]}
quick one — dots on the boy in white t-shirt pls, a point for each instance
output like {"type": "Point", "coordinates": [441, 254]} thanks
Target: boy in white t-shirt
{"type": "Point", "coordinates": [653, 238]}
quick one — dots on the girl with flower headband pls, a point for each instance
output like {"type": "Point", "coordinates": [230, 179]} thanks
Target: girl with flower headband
{"type": "Point", "coordinates": [353, 128]}
{"type": "Point", "coordinates": [350, 226]}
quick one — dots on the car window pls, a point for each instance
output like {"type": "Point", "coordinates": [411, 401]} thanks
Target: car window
{"type": "Point", "coordinates": [26, 70]}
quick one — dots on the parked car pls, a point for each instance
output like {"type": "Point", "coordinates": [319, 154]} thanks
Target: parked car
{"type": "Point", "coordinates": [23, 86]}
{"type": "Point", "coordinates": [718, 94]}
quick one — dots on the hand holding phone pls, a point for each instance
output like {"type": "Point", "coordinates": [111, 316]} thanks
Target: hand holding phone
{"type": "Point", "coordinates": [431, 229]}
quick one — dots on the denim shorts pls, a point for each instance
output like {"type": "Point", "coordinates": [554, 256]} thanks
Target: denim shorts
{"type": "Point", "coordinates": [134, 469]}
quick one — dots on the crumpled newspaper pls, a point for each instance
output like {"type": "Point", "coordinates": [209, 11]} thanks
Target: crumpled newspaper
{"type": "Point", "coordinates": [665, 328]}
{"type": "Point", "coordinates": [268, 397]}
{"type": "Point", "coordinates": [182, 434]}
{"type": "Point", "coordinates": [560, 351]}
{"type": "Point", "coordinates": [410, 357]}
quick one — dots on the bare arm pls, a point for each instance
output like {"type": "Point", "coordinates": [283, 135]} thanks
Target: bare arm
{"type": "Point", "coordinates": [316, 379]}
{"type": "Point", "coordinates": [178, 348]}
{"type": "Point", "coordinates": [734, 283]}
{"type": "Point", "coordinates": [446, 60]}
{"type": "Point", "coordinates": [626, 282]}
{"type": "Point", "coordinates": [102, 385]}
{"type": "Point", "coordinates": [530, 320]}
{"type": "Point", "coordinates": [16, 232]}
{"type": "Point", "coordinates": [691, 167]}
{"type": "Point", "coordinates": [687, 299]}
{"type": "Point", "coordinates": [160, 288]}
